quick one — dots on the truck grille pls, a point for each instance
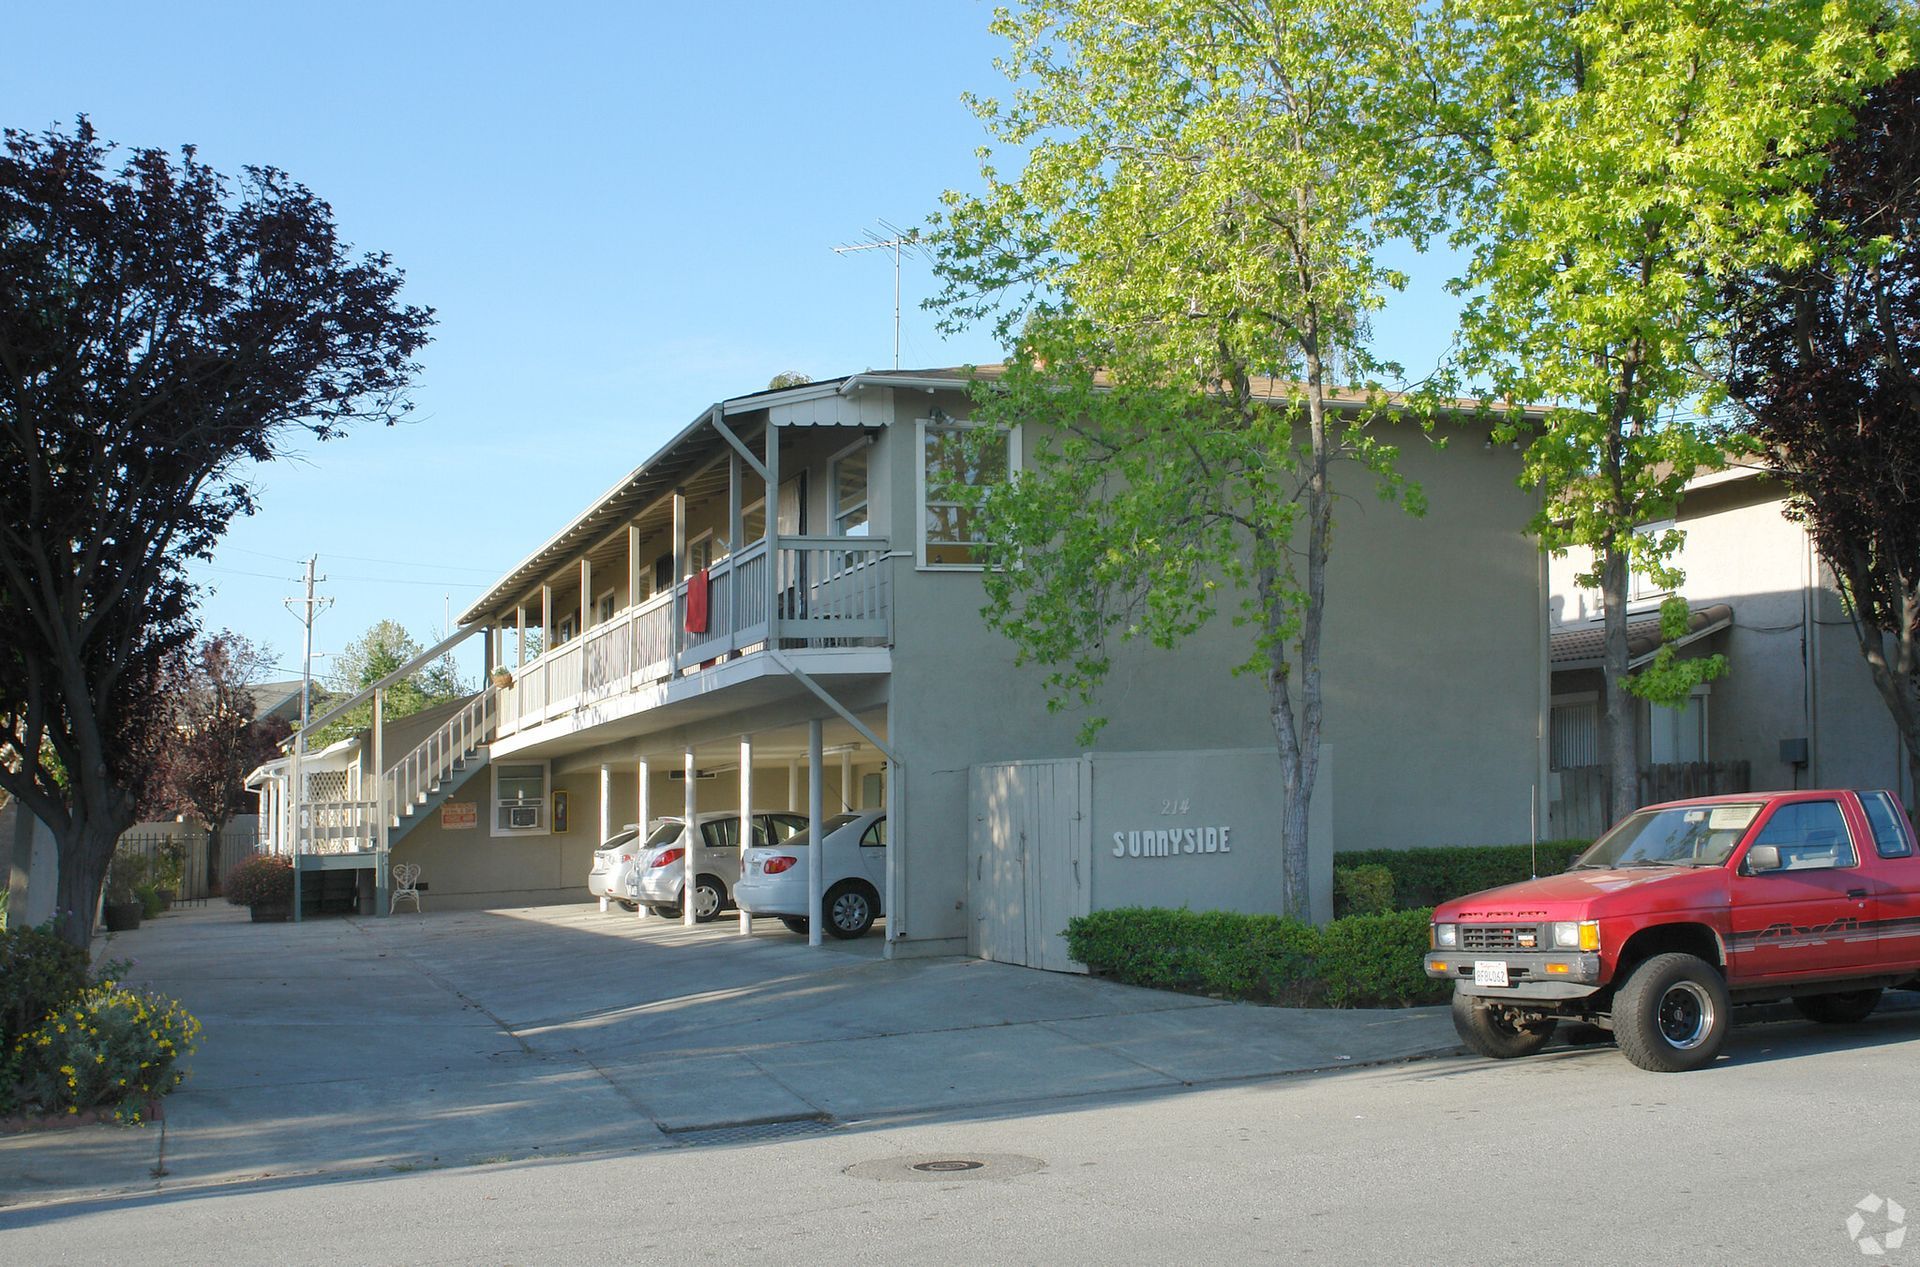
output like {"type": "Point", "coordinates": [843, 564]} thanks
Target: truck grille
{"type": "Point", "coordinates": [1499, 937]}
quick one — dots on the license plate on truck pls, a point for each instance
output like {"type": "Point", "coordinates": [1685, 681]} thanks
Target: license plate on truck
{"type": "Point", "coordinates": [1490, 972]}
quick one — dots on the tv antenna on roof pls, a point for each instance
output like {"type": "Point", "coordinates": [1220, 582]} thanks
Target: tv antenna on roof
{"type": "Point", "coordinates": [889, 237]}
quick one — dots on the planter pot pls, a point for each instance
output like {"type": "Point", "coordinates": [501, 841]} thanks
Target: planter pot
{"type": "Point", "coordinates": [166, 899]}
{"type": "Point", "coordinates": [502, 678]}
{"type": "Point", "coordinates": [122, 917]}
{"type": "Point", "coordinates": [271, 912]}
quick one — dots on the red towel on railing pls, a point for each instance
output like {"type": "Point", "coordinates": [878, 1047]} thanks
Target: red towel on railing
{"type": "Point", "coordinates": [697, 602]}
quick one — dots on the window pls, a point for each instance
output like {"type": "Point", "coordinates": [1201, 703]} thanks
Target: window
{"type": "Point", "coordinates": [1639, 584]}
{"type": "Point", "coordinates": [1679, 735]}
{"type": "Point", "coordinates": [1574, 725]}
{"type": "Point", "coordinates": [1810, 835]}
{"type": "Point", "coordinates": [875, 836]}
{"type": "Point", "coordinates": [566, 628]}
{"type": "Point", "coordinates": [700, 553]}
{"type": "Point", "coordinates": [772, 829]}
{"type": "Point", "coordinates": [520, 799]}
{"type": "Point", "coordinates": [958, 455]}
{"type": "Point", "coordinates": [603, 608]}
{"type": "Point", "coordinates": [850, 492]}
{"type": "Point", "coordinates": [721, 833]}
{"type": "Point", "coordinates": [1889, 825]}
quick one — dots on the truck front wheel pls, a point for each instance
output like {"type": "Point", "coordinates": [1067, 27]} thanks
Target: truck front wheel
{"type": "Point", "coordinates": [1672, 1014]}
{"type": "Point", "coordinates": [1487, 1028]}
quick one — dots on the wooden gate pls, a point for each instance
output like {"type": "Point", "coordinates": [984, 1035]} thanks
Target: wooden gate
{"type": "Point", "coordinates": [1028, 865]}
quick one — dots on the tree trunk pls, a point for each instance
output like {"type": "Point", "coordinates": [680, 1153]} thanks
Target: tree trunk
{"type": "Point", "coordinates": [85, 853]}
{"type": "Point", "coordinates": [1623, 711]}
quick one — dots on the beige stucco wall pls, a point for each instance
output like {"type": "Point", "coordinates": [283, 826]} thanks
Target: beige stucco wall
{"type": "Point", "coordinates": [1794, 667]}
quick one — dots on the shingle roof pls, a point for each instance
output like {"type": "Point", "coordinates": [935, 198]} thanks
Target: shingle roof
{"type": "Point", "coordinates": [1585, 646]}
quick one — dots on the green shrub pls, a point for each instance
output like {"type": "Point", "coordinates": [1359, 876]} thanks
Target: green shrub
{"type": "Point", "coordinates": [260, 880]}
{"type": "Point", "coordinates": [1361, 961]}
{"type": "Point", "coordinates": [1379, 961]}
{"type": "Point", "coordinates": [38, 972]}
{"type": "Point", "coordinates": [1363, 890]}
{"type": "Point", "coordinates": [1428, 876]}
{"type": "Point", "coordinates": [108, 1046]}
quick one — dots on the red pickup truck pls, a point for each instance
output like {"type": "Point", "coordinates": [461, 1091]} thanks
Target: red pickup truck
{"type": "Point", "coordinates": [1683, 911]}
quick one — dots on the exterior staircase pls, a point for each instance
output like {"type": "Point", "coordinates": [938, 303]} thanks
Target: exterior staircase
{"type": "Point", "coordinates": [421, 781]}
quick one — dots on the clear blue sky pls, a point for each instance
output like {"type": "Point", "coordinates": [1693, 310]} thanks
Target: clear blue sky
{"type": "Point", "coordinates": [621, 213]}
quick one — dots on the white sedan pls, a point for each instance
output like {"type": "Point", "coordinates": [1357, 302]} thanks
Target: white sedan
{"type": "Point", "coordinates": [659, 873]}
{"type": "Point", "coordinates": [612, 863]}
{"type": "Point", "coordinates": [853, 875]}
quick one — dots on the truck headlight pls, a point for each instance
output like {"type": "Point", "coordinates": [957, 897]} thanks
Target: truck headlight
{"type": "Point", "coordinates": [1446, 935]}
{"type": "Point", "coordinates": [1571, 935]}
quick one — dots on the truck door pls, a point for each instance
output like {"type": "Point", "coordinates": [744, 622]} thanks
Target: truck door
{"type": "Point", "coordinates": [1896, 884]}
{"type": "Point", "coordinates": [1812, 915]}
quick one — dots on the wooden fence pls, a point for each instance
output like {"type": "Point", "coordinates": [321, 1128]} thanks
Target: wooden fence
{"type": "Point", "coordinates": [198, 881]}
{"type": "Point", "coordinates": [1580, 811]}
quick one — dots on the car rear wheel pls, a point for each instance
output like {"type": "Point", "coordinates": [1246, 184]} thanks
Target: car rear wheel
{"type": "Point", "coordinates": [632, 906]}
{"type": "Point", "coordinates": [1672, 1014]}
{"type": "Point", "coordinates": [795, 923]}
{"type": "Point", "coordinates": [1838, 1009]}
{"type": "Point", "coordinates": [666, 912]}
{"type": "Point", "coordinates": [1487, 1029]}
{"type": "Point", "coordinates": [849, 907]}
{"type": "Point", "coordinates": [709, 899]}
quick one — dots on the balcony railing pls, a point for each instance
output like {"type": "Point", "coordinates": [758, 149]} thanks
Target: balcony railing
{"type": "Point", "coordinates": [822, 592]}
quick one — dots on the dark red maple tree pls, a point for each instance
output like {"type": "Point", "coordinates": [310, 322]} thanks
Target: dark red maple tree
{"type": "Point", "coordinates": [1824, 362]}
{"type": "Point", "coordinates": [162, 328]}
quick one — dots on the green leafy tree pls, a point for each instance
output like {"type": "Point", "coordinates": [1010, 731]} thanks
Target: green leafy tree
{"type": "Point", "coordinates": [383, 648]}
{"type": "Point", "coordinates": [1185, 265]}
{"type": "Point", "coordinates": [1619, 156]}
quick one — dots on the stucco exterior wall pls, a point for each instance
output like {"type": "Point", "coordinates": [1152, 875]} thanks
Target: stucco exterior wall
{"type": "Point", "coordinates": [1431, 673]}
{"type": "Point", "coordinates": [1794, 665]}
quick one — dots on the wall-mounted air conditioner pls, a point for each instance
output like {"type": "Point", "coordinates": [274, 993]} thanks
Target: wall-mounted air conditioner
{"type": "Point", "coordinates": [519, 815]}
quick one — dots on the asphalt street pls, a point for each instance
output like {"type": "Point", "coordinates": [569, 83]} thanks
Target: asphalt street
{"type": "Point", "coordinates": [1572, 1156]}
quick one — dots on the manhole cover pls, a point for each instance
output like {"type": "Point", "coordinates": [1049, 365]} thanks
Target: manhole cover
{"type": "Point", "coordinates": [946, 1168]}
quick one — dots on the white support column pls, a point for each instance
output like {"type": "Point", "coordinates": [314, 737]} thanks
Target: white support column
{"type": "Point", "coordinates": [382, 811]}
{"type": "Point", "coordinates": [793, 784]}
{"type": "Point", "coordinates": [645, 815]}
{"type": "Point", "coordinates": [746, 821]}
{"type": "Point", "coordinates": [692, 837]}
{"type": "Point", "coordinates": [520, 629]}
{"type": "Point", "coordinates": [890, 797]}
{"type": "Point", "coordinates": [734, 544]}
{"type": "Point", "coordinates": [772, 517]}
{"type": "Point", "coordinates": [848, 801]}
{"type": "Point", "coordinates": [816, 917]}
{"type": "Point", "coordinates": [586, 621]}
{"type": "Point", "coordinates": [677, 630]}
{"type": "Point", "coordinates": [606, 811]}
{"type": "Point", "coordinates": [633, 565]}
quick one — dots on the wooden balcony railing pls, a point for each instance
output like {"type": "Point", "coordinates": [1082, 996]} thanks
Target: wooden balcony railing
{"type": "Point", "coordinates": [815, 592]}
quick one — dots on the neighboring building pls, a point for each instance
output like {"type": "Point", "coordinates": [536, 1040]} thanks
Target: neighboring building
{"type": "Point", "coordinates": [33, 870]}
{"type": "Point", "coordinates": [1796, 707]}
{"type": "Point", "coordinates": [784, 561]}
{"type": "Point", "coordinates": [282, 700]}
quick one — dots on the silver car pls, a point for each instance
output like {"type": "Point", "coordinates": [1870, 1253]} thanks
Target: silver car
{"type": "Point", "coordinates": [853, 875]}
{"type": "Point", "coordinates": [659, 871]}
{"type": "Point", "coordinates": [612, 862]}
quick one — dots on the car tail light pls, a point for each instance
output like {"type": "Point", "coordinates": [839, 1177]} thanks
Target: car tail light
{"type": "Point", "coordinates": [626, 857]}
{"type": "Point", "coordinates": [774, 866]}
{"type": "Point", "coordinates": [668, 857]}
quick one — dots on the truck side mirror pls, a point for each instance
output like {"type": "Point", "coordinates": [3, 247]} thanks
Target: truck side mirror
{"type": "Point", "coordinates": [1763, 858]}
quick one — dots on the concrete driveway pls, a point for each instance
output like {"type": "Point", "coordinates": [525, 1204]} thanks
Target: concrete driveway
{"type": "Point", "coordinates": [356, 1045]}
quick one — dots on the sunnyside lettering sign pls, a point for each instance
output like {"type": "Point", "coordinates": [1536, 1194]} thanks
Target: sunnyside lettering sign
{"type": "Point", "coordinates": [1172, 842]}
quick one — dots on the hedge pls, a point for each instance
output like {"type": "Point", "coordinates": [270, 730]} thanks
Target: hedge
{"type": "Point", "coordinates": [1362, 961]}
{"type": "Point", "coordinates": [1426, 877]}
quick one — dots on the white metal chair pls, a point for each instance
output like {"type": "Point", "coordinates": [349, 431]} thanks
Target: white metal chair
{"type": "Point", "coordinates": [406, 875]}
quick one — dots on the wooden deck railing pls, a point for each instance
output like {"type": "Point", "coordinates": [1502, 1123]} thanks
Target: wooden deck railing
{"type": "Point", "coordinates": [816, 592]}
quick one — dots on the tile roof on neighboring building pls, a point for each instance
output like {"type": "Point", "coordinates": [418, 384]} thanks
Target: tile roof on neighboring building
{"type": "Point", "coordinates": [1585, 646]}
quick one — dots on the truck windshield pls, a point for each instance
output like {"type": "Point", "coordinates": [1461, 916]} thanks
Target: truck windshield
{"type": "Point", "coordinates": [1684, 836]}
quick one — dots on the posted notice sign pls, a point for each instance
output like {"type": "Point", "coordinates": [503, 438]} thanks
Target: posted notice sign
{"type": "Point", "coordinates": [459, 815]}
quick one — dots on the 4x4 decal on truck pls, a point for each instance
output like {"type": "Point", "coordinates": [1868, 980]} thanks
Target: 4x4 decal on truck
{"type": "Point", "coordinates": [1788, 935]}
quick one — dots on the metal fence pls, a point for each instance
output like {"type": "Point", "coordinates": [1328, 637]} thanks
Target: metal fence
{"type": "Point", "coordinates": [200, 867]}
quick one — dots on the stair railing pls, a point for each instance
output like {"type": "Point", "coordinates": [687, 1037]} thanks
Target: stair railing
{"type": "Point", "coordinates": [418, 774]}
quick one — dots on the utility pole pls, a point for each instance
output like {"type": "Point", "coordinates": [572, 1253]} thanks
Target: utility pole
{"type": "Point", "coordinates": [894, 241]}
{"type": "Point", "coordinates": [309, 607]}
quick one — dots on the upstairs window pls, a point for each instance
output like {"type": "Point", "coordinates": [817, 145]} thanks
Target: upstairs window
{"type": "Point", "coordinates": [956, 454]}
{"type": "Point", "coordinates": [850, 492]}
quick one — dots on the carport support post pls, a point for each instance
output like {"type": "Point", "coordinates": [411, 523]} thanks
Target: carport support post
{"type": "Point", "coordinates": [692, 837]}
{"type": "Point", "coordinates": [606, 811]}
{"type": "Point", "coordinates": [645, 815]}
{"type": "Point", "coordinates": [746, 822]}
{"type": "Point", "coordinates": [793, 784]}
{"type": "Point", "coordinates": [814, 797]}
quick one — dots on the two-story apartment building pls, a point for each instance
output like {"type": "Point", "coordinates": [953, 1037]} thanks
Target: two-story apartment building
{"type": "Point", "coordinates": [1796, 707]}
{"type": "Point", "coordinates": [786, 560]}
